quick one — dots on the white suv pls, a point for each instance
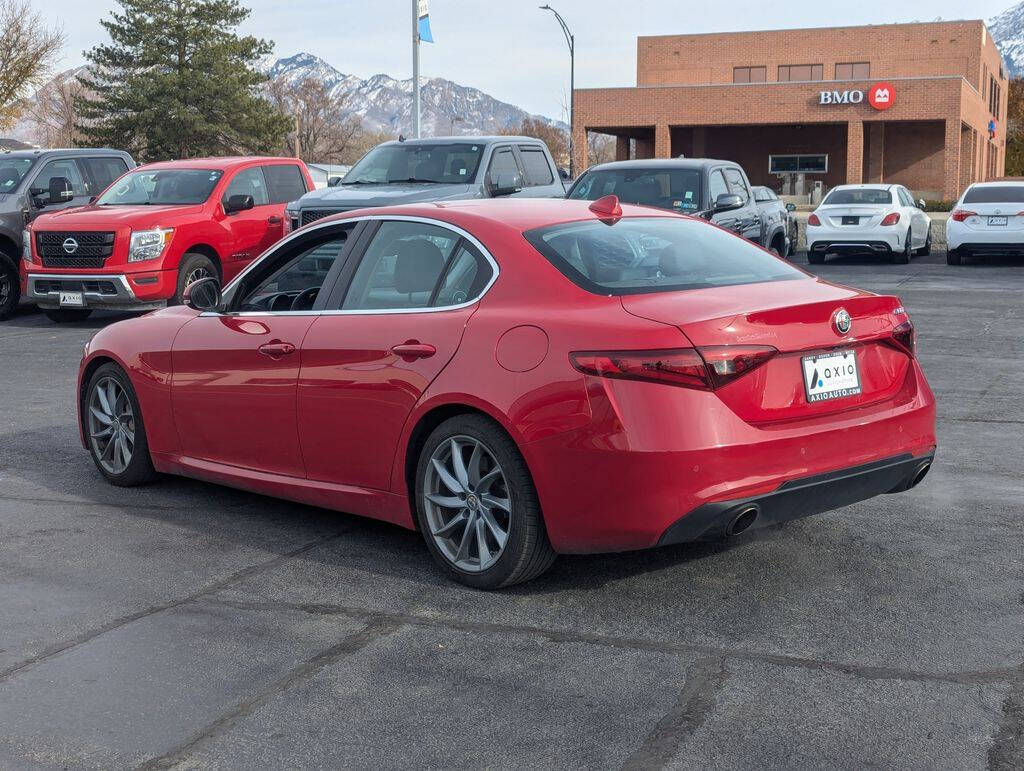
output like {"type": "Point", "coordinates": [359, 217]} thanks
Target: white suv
{"type": "Point", "coordinates": [879, 219]}
{"type": "Point", "coordinates": [988, 219]}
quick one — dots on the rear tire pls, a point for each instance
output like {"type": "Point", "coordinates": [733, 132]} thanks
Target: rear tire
{"type": "Point", "coordinates": [815, 258]}
{"type": "Point", "coordinates": [903, 258]}
{"type": "Point", "coordinates": [954, 257]}
{"type": "Point", "coordinates": [10, 286]}
{"type": "Point", "coordinates": [193, 267]}
{"type": "Point", "coordinates": [67, 315]}
{"type": "Point", "coordinates": [471, 484]}
{"type": "Point", "coordinates": [112, 420]}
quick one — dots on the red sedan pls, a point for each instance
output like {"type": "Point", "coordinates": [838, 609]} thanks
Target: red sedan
{"type": "Point", "coordinates": [520, 378]}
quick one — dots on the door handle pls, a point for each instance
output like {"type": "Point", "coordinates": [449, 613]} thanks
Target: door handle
{"type": "Point", "coordinates": [276, 349]}
{"type": "Point", "coordinates": [411, 349]}
{"type": "Point", "coordinates": [275, 220]}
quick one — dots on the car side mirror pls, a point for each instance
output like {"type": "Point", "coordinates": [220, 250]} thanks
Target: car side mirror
{"type": "Point", "coordinates": [790, 207]}
{"type": "Point", "coordinates": [333, 181]}
{"type": "Point", "coordinates": [921, 204]}
{"type": "Point", "coordinates": [237, 203]}
{"type": "Point", "coordinates": [203, 295]}
{"type": "Point", "coordinates": [727, 202]}
{"type": "Point", "coordinates": [60, 190]}
{"type": "Point", "coordinates": [505, 183]}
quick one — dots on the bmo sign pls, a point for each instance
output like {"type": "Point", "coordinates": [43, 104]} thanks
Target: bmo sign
{"type": "Point", "coordinates": [881, 96]}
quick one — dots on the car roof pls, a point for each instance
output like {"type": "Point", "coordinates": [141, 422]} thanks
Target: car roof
{"type": "Point", "coordinates": [466, 140]}
{"type": "Point", "coordinates": [513, 214]}
{"type": "Point", "coordinates": [662, 163]}
{"type": "Point", "coordinates": [41, 152]}
{"type": "Point", "coordinates": [876, 186]}
{"type": "Point", "coordinates": [217, 164]}
{"type": "Point", "coordinates": [1002, 182]}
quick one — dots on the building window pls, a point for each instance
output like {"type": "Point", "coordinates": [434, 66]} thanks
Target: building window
{"type": "Point", "coordinates": [853, 71]}
{"type": "Point", "coordinates": [748, 74]}
{"type": "Point", "coordinates": [994, 96]}
{"type": "Point", "coordinates": [811, 163]}
{"type": "Point", "coordinates": [795, 72]}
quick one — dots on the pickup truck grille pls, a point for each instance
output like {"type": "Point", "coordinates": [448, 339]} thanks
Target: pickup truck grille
{"type": "Point", "coordinates": [67, 249]}
{"type": "Point", "coordinates": [312, 215]}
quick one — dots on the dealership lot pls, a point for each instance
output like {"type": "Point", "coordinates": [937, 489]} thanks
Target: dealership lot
{"type": "Point", "coordinates": [189, 625]}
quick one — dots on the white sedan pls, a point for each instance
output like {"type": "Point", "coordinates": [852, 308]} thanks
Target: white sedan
{"type": "Point", "coordinates": [988, 219]}
{"type": "Point", "coordinates": [877, 219]}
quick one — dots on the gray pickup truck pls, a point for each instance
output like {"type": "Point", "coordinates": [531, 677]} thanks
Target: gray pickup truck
{"type": "Point", "coordinates": [439, 169]}
{"type": "Point", "coordinates": [34, 182]}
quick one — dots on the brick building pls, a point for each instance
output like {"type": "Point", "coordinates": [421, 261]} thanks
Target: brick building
{"type": "Point", "coordinates": [923, 105]}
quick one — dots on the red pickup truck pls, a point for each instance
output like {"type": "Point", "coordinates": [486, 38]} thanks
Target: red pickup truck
{"type": "Point", "coordinates": [155, 230]}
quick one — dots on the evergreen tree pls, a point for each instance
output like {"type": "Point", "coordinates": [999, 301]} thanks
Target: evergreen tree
{"type": "Point", "coordinates": [177, 82]}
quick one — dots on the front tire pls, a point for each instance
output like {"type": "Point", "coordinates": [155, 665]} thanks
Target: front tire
{"type": "Point", "coordinates": [114, 429]}
{"type": "Point", "coordinates": [67, 315]}
{"type": "Point", "coordinates": [10, 286]}
{"type": "Point", "coordinates": [193, 267]}
{"type": "Point", "coordinates": [477, 507]}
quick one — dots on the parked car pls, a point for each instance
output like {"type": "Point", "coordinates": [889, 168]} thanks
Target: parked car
{"type": "Point", "coordinates": [987, 219]}
{"type": "Point", "coordinates": [778, 219]}
{"type": "Point", "coordinates": [33, 182]}
{"type": "Point", "coordinates": [875, 219]}
{"type": "Point", "coordinates": [326, 174]}
{"type": "Point", "coordinates": [441, 169]}
{"type": "Point", "coordinates": [157, 229]}
{"type": "Point", "coordinates": [714, 190]}
{"type": "Point", "coordinates": [461, 369]}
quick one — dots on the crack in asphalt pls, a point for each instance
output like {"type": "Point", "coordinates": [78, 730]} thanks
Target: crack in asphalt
{"type": "Point", "coordinates": [215, 586]}
{"type": "Point", "coordinates": [350, 644]}
{"type": "Point", "coordinates": [705, 679]}
{"type": "Point", "coordinates": [868, 672]}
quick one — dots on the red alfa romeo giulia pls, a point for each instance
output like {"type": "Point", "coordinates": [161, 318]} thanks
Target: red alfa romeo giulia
{"type": "Point", "coordinates": [520, 378]}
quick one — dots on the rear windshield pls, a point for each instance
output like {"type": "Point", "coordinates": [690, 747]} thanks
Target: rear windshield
{"type": "Point", "coordinates": [655, 254]}
{"type": "Point", "coordinates": [677, 189]}
{"type": "Point", "coordinates": [866, 195]}
{"type": "Point", "coordinates": [995, 194]}
{"type": "Point", "coordinates": [166, 187]}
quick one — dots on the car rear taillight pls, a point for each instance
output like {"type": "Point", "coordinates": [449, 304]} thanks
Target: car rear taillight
{"type": "Point", "coordinates": [705, 368]}
{"type": "Point", "coordinates": [813, 220]}
{"type": "Point", "coordinates": [903, 336]}
{"type": "Point", "coordinates": [961, 214]}
{"type": "Point", "coordinates": [890, 219]}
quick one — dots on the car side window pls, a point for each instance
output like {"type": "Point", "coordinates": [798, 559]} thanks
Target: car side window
{"type": "Point", "coordinates": [737, 184]}
{"type": "Point", "coordinates": [535, 166]}
{"type": "Point", "coordinates": [502, 162]}
{"type": "Point", "coordinates": [285, 182]}
{"type": "Point", "coordinates": [66, 168]}
{"type": "Point", "coordinates": [716, 185]}
{"type": "Point", "coordinates": [292, 279]}
{"type": "Point", "coordinates": [103, 171]}
{"type": "Point", "coordinates": [249, 182]}
{"type": "Point", "coordinates": [905, 197]}
{"type": "Point", "coordinates": [401, 267]}
{"type": "Point", "coordinates": [467, 275]}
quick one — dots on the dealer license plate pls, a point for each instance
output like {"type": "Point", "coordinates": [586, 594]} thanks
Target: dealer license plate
{"type": "Point", "coordinates": [72, 298]}
{"type": "Point", "coordinates": [997, 220]}
{"type": "Point", "coordinates": [831, 376]}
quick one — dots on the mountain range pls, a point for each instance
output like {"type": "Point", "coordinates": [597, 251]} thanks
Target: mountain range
{"type": "Point", "coordinates": [1007, 30]}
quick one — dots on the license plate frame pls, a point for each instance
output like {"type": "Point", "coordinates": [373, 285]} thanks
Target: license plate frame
{"type": "Point", "coordinates": [997, 221]}
{"type": "Point", "coordinates": [72, 300]}
{"type": "Point", "coordinates": [830, 376]}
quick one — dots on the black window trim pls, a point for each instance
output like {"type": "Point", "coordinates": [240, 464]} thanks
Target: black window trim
{"type": "Point", "coordinates": [329, 302]}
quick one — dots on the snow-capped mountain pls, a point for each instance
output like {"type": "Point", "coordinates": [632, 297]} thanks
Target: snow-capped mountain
{"type": "Point", "coordinates": [1007, 31]}
{"type": "Point", "coordinates": [385, 103]}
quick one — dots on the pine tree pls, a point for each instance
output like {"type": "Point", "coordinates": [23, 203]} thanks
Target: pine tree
{"type": "Point", "coordinates": [176, 81]}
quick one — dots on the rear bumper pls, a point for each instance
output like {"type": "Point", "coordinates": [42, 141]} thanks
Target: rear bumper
{"type": "Point", "coordinates": [800, 498]}
{"type": "Point", "coordinates": [112, 291]}
{"type": "Point", "coordinates": [854, 246]}
{"type": "Point", "coordinates": [992, 248]}
{"type": "Point", "coordinates": [878, 239]}
{"type": "Point", "coordinates": [984, 240]}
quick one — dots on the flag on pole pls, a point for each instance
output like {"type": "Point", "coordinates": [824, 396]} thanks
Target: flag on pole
{"type": "Point", "coordinates": [424, 22]}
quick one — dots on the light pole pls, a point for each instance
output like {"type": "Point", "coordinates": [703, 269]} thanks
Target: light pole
{"type": "Point", "coordinates": [572, 79]}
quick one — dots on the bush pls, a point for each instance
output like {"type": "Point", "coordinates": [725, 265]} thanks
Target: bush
{"type": "Point", "coordinates": [930, 205]}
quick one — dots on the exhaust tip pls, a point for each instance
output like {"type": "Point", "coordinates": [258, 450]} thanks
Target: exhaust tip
{"type": "Point", "coordinates": [742, 520]}
{"type": "Point", "coordinates": [921, 473]}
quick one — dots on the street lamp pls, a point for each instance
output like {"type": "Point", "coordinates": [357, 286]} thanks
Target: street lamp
{"type": "Point", "coordinates": [572, 80]}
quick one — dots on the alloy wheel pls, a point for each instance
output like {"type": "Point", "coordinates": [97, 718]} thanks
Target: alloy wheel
{"type": "Point", "coordinates": [467, 503]}
{"type": "Point", "coordinates": [111, 425]}
{"type": "Point", "coordinates": [195, 274]}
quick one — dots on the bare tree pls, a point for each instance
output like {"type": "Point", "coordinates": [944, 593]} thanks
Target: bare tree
{"type": "Point", "coordinates": [28, 49]}
{"type": "Point", "coordinates": [555, 138]}
{"type": "Point", "coordinates": [325, 131]}
{"type": "Point", "coordinates": [600, 148]}
{"type": "Point", "coordinates": [54, 114]}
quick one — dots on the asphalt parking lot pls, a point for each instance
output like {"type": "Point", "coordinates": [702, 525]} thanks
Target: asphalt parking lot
{"type": "Point", "coordinates": [188, 625]}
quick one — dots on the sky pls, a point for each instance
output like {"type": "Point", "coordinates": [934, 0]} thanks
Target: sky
{"type": "Point", "coordinates": [509, 48]}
